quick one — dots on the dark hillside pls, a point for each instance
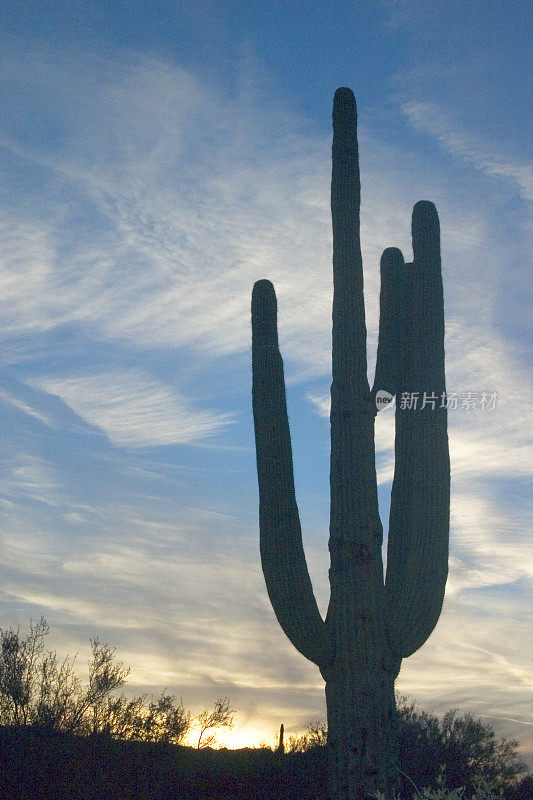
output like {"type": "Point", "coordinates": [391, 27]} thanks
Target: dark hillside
{"type": "Point", "coordinates": [39, 764]}
{"type": "Point", "coordinates": [43, 764]}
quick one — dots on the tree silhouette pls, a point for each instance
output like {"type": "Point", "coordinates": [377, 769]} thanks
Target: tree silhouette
{"type": "Point", "coordinates": [220, 717]}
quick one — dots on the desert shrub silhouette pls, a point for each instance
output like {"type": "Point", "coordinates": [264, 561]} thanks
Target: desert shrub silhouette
{"type": "Point", "coordinates": [464, 749]}
{"type": "Point", "coordinates": [37, 688]}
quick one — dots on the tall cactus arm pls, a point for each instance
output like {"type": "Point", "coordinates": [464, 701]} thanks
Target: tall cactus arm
{"type": "Point", "coordinates": [282, 555]}
{"type": "Point", "coordinates": [417, 556]}
{"type": "Point", "coordinates": [349, 328]}
{"type": "Point", "coordinates": [391, 322]}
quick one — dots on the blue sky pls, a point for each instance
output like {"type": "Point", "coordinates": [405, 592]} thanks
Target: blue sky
{"type": "Point", "coordinates": [157, 159]}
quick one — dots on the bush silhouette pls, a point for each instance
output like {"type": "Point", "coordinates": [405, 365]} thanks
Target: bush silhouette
{"type": "Point", "coordinates": [39, 689]}
{"type": "Point", "coordinates": [467, 747]}
{"type": "Point", "coordinates": [464, 748]}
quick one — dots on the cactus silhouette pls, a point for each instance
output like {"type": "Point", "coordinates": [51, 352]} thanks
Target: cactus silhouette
{"type": "Point", "coordinates": [372, 622]}
{"type": "Point", "coordinates": [281, 746]}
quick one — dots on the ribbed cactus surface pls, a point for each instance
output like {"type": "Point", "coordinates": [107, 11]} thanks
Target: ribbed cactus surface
{"type": "Point", "coordinates": [371, 623]}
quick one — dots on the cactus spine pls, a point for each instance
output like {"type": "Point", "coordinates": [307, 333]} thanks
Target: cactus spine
{"type": "Point", "coordinates": [371, 623]}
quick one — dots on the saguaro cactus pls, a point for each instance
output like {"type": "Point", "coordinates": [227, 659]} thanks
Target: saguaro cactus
{"type": "Point", "coordinates": [371, 623]}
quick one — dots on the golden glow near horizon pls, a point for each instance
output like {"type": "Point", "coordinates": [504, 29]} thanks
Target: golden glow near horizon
{"type": "Point", "coordinates": [239, 737]}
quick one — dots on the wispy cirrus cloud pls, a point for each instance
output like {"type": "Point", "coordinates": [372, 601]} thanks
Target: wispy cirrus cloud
{"type": "Point", "coordinates": [488, 666]}
{"type": "Point", "coordinates": [30, 476]}
{"type": "Point", "coordinates": [487, 543]}
{"type": "Point", "coordinates": [134, 410]}
{"type": "Point", "coordinates": [193, 197]}
{"type": "Point", "coordinates": [466, 144]}
{"type": "Point", "coordinates": [25, 407]}
{"type": "Point", "coordinates": [188, 210]}
{"type": "Point", "coordinates": [202, 621]}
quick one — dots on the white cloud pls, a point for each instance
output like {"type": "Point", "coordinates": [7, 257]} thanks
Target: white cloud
{"type": "Point", "coordinates": [194, 197]}
{"type": "Point", "coordinates": [25, 407]}
{"type": "Point", "coordinates": [465, 144]}
{"type": "Point", "coordinates": [28, 476]}
{"type": "Point", "coordinates": [199, 626]}
{"type": "Point", "coordinates": [133, 409]}
{"type": "Point", "coordinates": [477, 674]}
{"type": "Point", "coordinates": [146, 580]}
{"type": "Point", "coordinates": [188, 210]}
{"type": "Point", "coordinates": [488, 543]}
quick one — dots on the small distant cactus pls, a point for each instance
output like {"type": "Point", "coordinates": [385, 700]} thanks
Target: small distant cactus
{"type": "Point", "coordinates": [371, 623]}
{"type": "Point", "coordinates": [281, 746]}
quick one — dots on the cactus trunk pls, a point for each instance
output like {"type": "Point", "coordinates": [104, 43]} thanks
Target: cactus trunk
{"type": "Point", "coordinates": [362, 735]}
{"type": "Point", "coordinates": [371, 623]}
{"type": "Point", "coordinates": [359, 691]}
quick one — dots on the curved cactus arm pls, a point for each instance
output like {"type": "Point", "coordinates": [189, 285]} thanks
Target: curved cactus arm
{"type": "Point", "coordinates": [417, 556]}
{"type": "Point", "coordinates": [391, 321]}
{"type": "Point", "coordinates": [282, 555]}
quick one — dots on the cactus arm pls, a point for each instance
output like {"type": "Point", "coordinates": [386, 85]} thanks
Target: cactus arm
{"type": "Point", "coordinates": [417, 555]}
{"type": "Point", "coordinates": [391, 307]}
{"type": "Point", "coordinates": [282, 555]}
{"type": "Point", "coordinates": [349, 329]}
